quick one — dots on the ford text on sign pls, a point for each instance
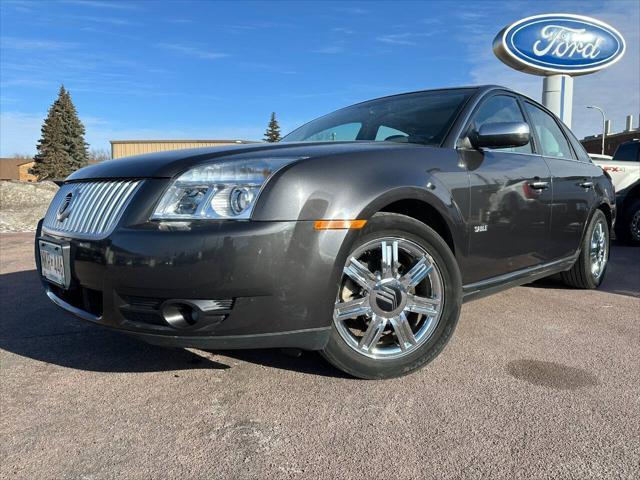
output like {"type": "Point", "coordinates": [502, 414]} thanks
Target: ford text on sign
{"type": "Point", "coordinates": [559, 43]}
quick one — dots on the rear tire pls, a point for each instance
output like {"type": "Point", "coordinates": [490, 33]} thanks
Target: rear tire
{"type": "Point", "coordinates": [589, 269]}
{"type": "Point", "coordinates": [628, 224]}
{"type": "Point", "coordinates": [398, 300]}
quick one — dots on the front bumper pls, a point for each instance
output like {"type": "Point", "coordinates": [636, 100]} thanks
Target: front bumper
{"type": "Point", "coordinates": [275, 282]}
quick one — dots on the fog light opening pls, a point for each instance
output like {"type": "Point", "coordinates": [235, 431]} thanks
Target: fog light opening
{"type": "Point", "coordinates": [180, 315]}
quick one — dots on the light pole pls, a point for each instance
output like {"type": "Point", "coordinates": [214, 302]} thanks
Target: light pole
{"type": "Point", "coordinates": [604, 124]}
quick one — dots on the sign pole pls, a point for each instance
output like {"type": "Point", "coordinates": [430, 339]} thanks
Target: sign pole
{"type": "Point", "coordinates": [557, 96]}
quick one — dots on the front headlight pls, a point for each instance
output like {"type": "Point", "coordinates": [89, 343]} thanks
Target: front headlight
{"type": "Point", "coordinates": [226, 190]}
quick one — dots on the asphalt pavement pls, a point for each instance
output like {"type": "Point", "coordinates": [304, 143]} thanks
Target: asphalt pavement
{"type": "Point", "coordinates": [540, 381]}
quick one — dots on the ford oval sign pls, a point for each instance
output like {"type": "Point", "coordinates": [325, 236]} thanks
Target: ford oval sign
{"type": "Point", "coordinates": [559, 44]}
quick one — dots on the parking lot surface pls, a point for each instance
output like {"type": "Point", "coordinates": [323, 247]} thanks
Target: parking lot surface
{"type": "Point", "coordinates": [540, 381]}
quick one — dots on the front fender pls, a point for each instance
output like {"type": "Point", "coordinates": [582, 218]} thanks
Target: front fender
{"type": "Point", "coordinates": [356, 186]}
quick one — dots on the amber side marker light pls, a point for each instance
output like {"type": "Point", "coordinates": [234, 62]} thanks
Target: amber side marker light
{"type": "Point", "coordinates": [339, 224]}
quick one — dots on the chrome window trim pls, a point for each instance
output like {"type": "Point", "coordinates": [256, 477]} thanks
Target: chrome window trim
{"type": "Point", "coordinates": [498, 150]}
{"type": "Point", "coordinates": [531, 155]}
{"type": "Point", "coordinates": [565, 159]}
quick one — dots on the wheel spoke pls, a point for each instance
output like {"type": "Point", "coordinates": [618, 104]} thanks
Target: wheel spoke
{"type": "Point", "coordinates": [389, 259]}
{"type": "Point", "coordinates": [373, 333]}
{"type": "Point", "coordinates": [403, 331]}
{"type": "Point", "coordinates": [352, 308]}
{"type": "Point", "coordinates": [359, 273]}
{"type": "Point", "coordinates": [380, 311]}
{"type": "Point", "coordinates": [417, 273]}
{"type": "Point", "coordinates": [423, 305]}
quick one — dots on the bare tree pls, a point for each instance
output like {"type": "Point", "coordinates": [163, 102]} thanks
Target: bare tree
{"type": "Point", "coordinates": [97, 155]}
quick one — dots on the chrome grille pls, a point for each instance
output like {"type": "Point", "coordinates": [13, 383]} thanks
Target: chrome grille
{"type": "Point", "coordinates": [89, 209]}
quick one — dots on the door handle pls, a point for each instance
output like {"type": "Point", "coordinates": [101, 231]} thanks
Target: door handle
{"type": "Point", "coordinates": [586, 185]}
{"type": "Point", "coordinates": [539, 185]}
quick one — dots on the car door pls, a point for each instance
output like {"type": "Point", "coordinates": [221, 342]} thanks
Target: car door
{"type": "Point", "coordinates": [572, 179]}
{"type": "Point", "coordinates": [509, 196]}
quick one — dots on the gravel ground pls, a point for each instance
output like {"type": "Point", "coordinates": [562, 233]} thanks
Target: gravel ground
{"type": "Point", "coordinates": [538, 382]}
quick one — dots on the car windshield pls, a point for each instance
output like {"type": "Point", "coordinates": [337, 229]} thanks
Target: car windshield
{"type": "Point", "coordinates": [423, 117]}
{"type": "Point", "coordinates": [627, 152]}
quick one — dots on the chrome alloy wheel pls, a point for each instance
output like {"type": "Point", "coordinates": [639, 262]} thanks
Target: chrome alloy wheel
{"type": "Point", "coordinates": [598, 250]}
{"type": "Point", "coordinates": [390, 299]}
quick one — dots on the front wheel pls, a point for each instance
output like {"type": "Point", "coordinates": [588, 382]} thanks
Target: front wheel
{"type": "Point", "coordinates": [588, 271]}
{"type": "Point", "coordinates": [398, 300]}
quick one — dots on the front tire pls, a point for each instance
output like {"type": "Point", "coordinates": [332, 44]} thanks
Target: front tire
{"type": "Point", "coordinates": [398, 300]}
{"type": "Point", "coordinates": [590, 267]}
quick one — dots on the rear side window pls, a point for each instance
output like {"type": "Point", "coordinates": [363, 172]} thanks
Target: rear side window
{"type": "Point", "coordinates": [578, 148]}
{"type": "Point", "coordinates": [552, 141]}
{"type": "Point", "coordinates": [500, 109]}
{"type": "Point", "coordinates": [627, 152]}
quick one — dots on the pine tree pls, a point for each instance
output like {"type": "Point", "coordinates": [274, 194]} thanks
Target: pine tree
{"type": "Point", "coordinates": [272, 134]}
{"type": "Point", "coordinates": [62, 149]}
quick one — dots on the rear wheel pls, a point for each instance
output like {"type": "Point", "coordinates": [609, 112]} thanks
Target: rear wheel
{"type": "Point", "coordinates": [589, 269]}
{"type": "Point", "coordinates": [398, 300]}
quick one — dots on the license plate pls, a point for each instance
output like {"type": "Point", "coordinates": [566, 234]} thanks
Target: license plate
{"type": "Point", "coordinates": [52, 263]}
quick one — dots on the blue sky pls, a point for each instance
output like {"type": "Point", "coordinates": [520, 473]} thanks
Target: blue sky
{"type": "Point", "coordinates": [197, 69]}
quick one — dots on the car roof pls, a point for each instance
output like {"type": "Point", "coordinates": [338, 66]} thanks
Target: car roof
{"type": "Point", "coordinates": [475, 88]}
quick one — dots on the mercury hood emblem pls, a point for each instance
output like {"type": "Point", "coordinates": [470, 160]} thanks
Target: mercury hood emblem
{"type": "Point", "coordinates": [64, 210]}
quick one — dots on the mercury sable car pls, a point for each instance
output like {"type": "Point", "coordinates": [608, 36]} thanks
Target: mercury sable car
{"type": "Point", "coordinates": [359, 234]}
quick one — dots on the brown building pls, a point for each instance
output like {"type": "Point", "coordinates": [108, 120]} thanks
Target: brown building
{"type": "Point", "coordinates": [593, 143]}
{"type": "Point", "coordinates": [127, 148]}
{"type": "Point", "coordinates": [16, 169]}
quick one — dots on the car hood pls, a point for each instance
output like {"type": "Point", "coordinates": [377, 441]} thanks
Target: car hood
{"type": "Point", "coordinates": [172, 163]}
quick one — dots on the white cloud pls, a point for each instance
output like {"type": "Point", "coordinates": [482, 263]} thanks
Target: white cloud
{"type": "Point", "coordinates": [179, 21]}
{"type": "Point", "coordinates": [20, 132]}
{"type": "Point", "coordinates": [616, 89]}
{"type": "Point", "coordinates": [352, 10]}
{"type": "Point", "coordinates": [329, 50]}
{"type": "Point", "coordinates": [346, 31]}
{"type": "Point", "coordinates": [265, 67]}
{"type": "Point", "coordinates": [102, 20]}
{"type": "Point", "coordinates": [406, 38]}
{"type": "Point", "coordinates": [103, 4]}
{"type": "Point", "coordinates": [240, 28]}
{"type": "Point", "coordinates": [100, 137]}
{"type": "Point", "coordinates": [192, 51]}
{"type": "Point", "coordinates": [14, 43]}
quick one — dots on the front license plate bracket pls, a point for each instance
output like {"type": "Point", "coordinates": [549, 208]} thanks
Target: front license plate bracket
{"type": "Point", "coordinates": [51, 255]}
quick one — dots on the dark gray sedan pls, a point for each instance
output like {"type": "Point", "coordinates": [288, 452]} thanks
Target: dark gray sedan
{"type": "Point", "coordinates": [359, 235]}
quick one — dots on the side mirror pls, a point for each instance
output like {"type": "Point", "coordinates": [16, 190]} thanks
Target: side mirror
{"type": "Point", "coordinates": [501, 135]}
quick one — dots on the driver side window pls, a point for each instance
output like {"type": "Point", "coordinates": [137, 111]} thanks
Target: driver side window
{"type": "Point", "coordinates": [500, 109]}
